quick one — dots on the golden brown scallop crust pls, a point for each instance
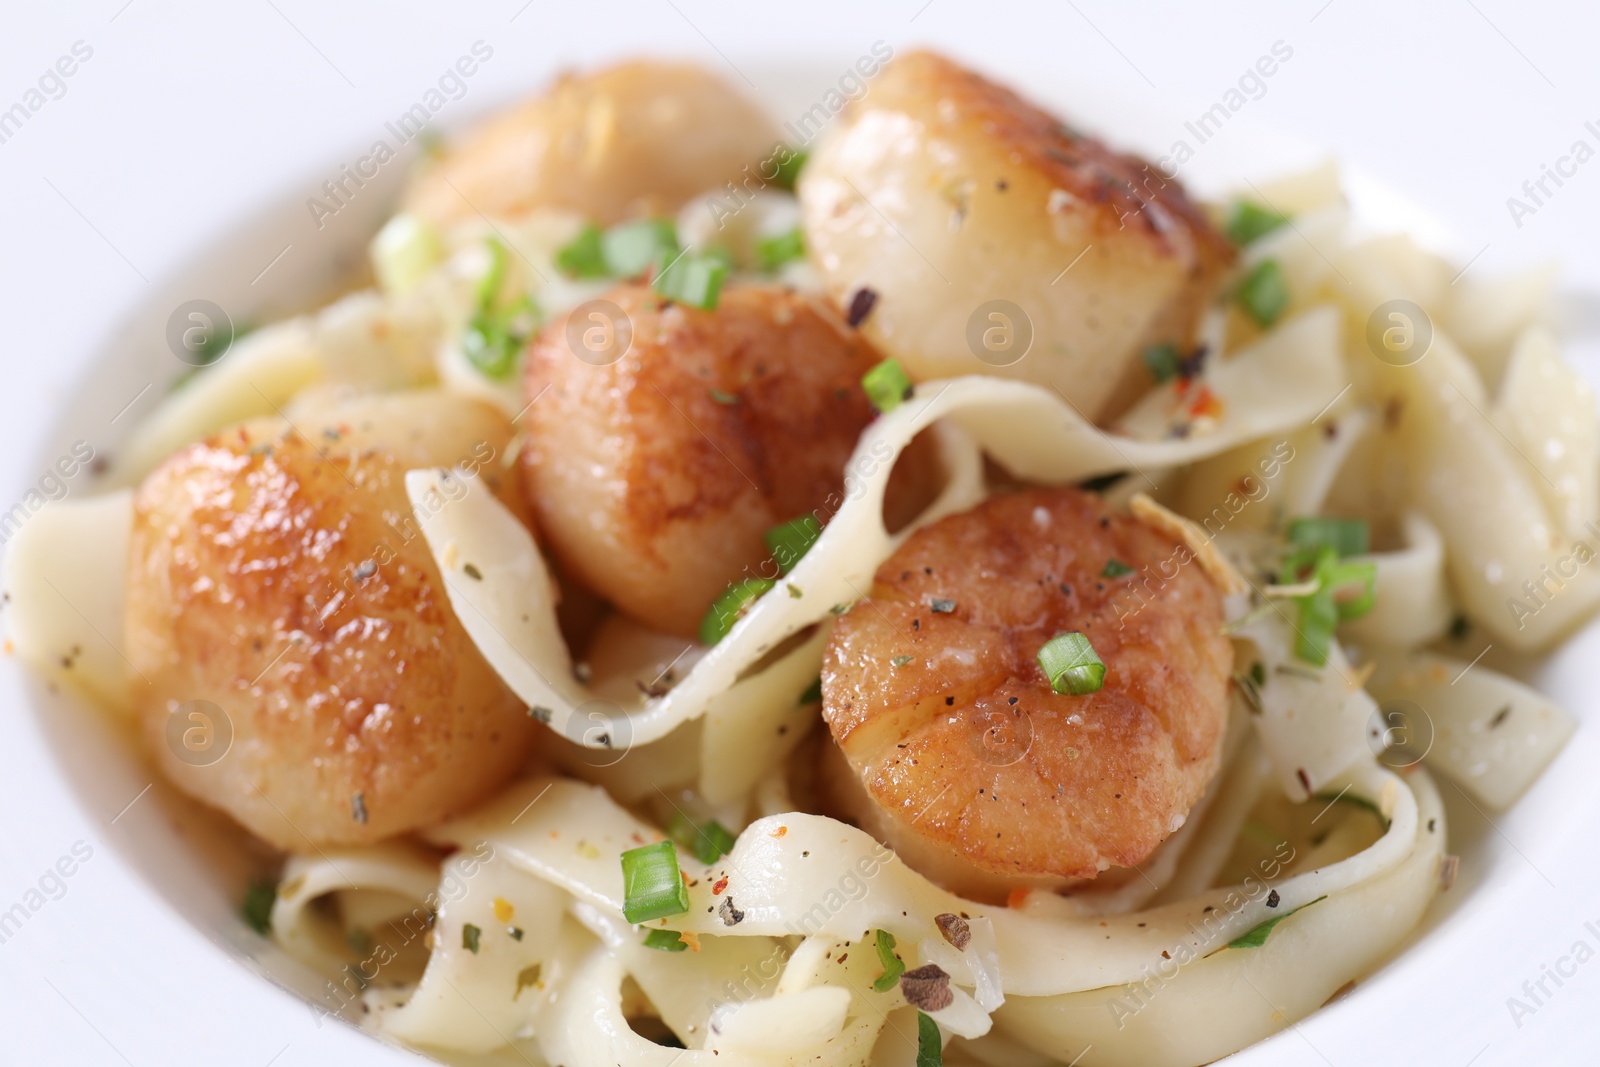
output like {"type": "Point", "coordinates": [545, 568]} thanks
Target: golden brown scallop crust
{"type": "Point", "coordinates": [942, 192]}
{"type": "Point", "coordinates": [286, 581]}
{"type": "Point", "coordinates": [653, 478]}
{"type": "Point", "coordinates": [966, 760]}
{"type": "Point", "coordinates": [635, 138]}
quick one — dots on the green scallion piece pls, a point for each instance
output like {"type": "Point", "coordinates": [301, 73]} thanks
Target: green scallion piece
{"type": "Point", "coordinates": [789, 169]}
{"type": "Point", "coordinates": [262, 893]}
{"type": "Point", "coordinates": [695, 281]}
{"type": "Point", "coordinates": [1070, 662]}
{"type": "Point", "coordinates": [1115, 568]}
{"type": "Point", "coordinates": [887, 385]}
{"type": "Point", "coordinates": [631, 248]}
{"type": "Point", "coordinates": [774, 252]}
{"type": "Point", "coordinates": [709, 841]}
{"type": "Point", "coordinates": [1341, 577]}
{"type": "Point", "coordinates": [469, 937]}
{"type": "Point", "coordinates": [1331, 601]}
{"type": "Point", "coordinates": [1257, 936]}
{"type": "Point", "coordinates": [893, 966]}
{"type": "Point", "coordinates": [1163, 362]}
{"type": "Point", "coordinates": [1264, 293]}
{"type": "Point", "coordinates": [493, 339]}
{"type": "Point", "coordinates": [652, 884]}
{"type": "Point", "coordinates": [1314, 630]}
{"type": "Point", "coordinates": [721, 255]}
{"type": "Point", "coordinates": [930, 1046]}
{"type": "Point", "coordinates": [791, 540]}
{"type": "Point", "coordinates": [730, 607]}
{"type": "Point", "coordinates": [1347, 537]}
{"type": "Point", "coordinates": [813, 692]}
{"type": "Point", "coordinates": [583, 257]}
{"type": "Point", "coordinates": [665, 940]}
{"type": "Point", "coordinates": [493, 278]}
{"type": "Point", "coordinates": [1249, 222]}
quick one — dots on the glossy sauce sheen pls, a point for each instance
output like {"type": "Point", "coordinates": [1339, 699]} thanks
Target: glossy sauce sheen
{"type": "Point", "coordinates": [964, 759]}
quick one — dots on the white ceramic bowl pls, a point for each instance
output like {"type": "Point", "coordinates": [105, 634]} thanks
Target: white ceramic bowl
{"type": "Point", "coordinates": [142, 957]}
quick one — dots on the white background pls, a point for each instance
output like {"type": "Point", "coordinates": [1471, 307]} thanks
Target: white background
{"type": "Point", "coordinates": [190, 114]}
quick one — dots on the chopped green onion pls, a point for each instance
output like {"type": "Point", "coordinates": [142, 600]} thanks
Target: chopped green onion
{"type": "Point", "coordinates": [1257, 936]}
{"type": "Point", "coordinates": [1070, 662]}
{"type": "Point", "coordinates": [900, 661]}
{"type": "Point", "coordinates": [721, 255]}
{"type": "Point", "coordinates": [930, 1046]}
{"type": "Point", "coordinates": [1347, 537]}
{"type": "Point", "coordinates": [813, 692]}
{"type": "Point", "coordinates": [1163, 361]}
{"type": "Point", "coordinates": [1324, 607]}
{"type": "Point", "coordinates": [665, 940]}
{"type": "Point", "coordinates": [631, 248]}
{"type": "Point", "coordinates": [791, 540]}
{"type": "Point", "coordinates": [1249, 222]}
{"type": "Point", "coordinates": [261, 894]}
{"type": "Point", "coordinates": [494, 338]}
{"type": "Point", "coordinates": [887, 385]}
{"type": "Point", "coordinates": [709, 841]}
{"type": "Point", "coordinates": [692, 280]}
{"type": "Point", "coordinates": [774, 252]}
{"type": "Point", "coordinates": [1344, 575]}
{"type": "Point", "coordinates": [583, 257]}
{"type": "Point", "coordinates": [1115, 568]}
{"type": "Point", "coordinates": [730, 607]}
{"type": "Point", "coordinates": [652, 884]}
{"type": "Point", "coordinates": [403, 253]}
{"type": "Point", "coordinates": [789, 169]}
{"type": "Point", "coordinates": [726, 399]}
{"type": "Point", "coordinates": [893, 966]}
{"type": "Point", "coordinates": [469, 938]}
{"type": "Point", "coordinates": [942, 606]}
{"type": "Point", "coordinates": [493, 278]}
{"type": "Point", "coordinates": [1314, 631]}
{"type": "Point", "coordinates": [1264, 293]}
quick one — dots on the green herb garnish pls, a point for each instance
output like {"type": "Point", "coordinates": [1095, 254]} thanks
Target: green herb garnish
{"type": "Point", "coordinates": [1264, 293]}
{"type": "Point", "coordinates": [730, 607]}
{"type": "Point", "coordinates": [665, 940]}
{"type": "Point", "coordinates": [773, 252]}
{"type": "Point", "coordinates": [791, 540]}
{"type": "Point", "coordinates": [1071, 664]}
{"type": "Point", "coordinates": [259, 896]}
{"type": "Point", "coordinates": [887, 385]}
{"type": "Point", "coordinates": [893, 965]}
{"type": "Point", "coordinates": [1249, 222]}
{"type": "Point", "coordinates": [652, 884]}
{"type": "Point", "coordinates": [1257, 936]}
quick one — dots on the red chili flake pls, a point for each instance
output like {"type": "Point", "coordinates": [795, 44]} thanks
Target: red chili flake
{"type": "Point", "coordinates": [719, 885]}
{"type": "Point", "coordinates": [1206, 404]}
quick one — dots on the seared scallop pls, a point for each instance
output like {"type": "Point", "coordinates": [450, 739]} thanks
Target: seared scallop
{"type": "Point", "coordinates": [962, 757]}
{"type": "Point", "coordinates": [632, 139]}
{"type": "Point", "coordinates": [653, 474]}
{"type": "Point", "coordinates": [986, 236]}
{"type": "Point", "coordinates": [305, 671]}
